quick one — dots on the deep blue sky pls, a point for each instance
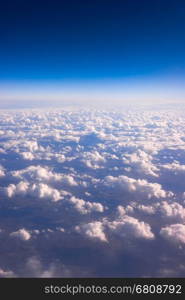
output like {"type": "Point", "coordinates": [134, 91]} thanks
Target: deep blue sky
{"type": "Point", "coordinates": [72, 41]}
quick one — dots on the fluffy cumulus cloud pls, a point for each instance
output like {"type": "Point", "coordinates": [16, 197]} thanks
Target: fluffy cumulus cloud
{"type": "Point", "coordinates": [174, 211]}
{"type": "Point", "coordinates": [125, 228]}
{"type": "Point", "coordinates": [139, 186]}
{"type": "Point", "coordinates": [38, 173]}
{"type": "Point", "coordinates": [147, 209]}
{"type": "Point", "coordinates": [85, 207]}
{"type": "Point", "coordinates": [175, 167]}
{"type": "Point", "coordinates": [93, 159]}
{"type": "Point", "coordinates": [175, 233]}
{"type": "Point", "coordinates": [39, 190]}
{"type": "Point", "coordinates": [141, 162]}
{"type": "Point", "coordinates": [131, 228]}
{"type": "Point", "coordinates": [44, 191]}
{"type": "Point", "coordinates": [92, 230]}
{"type": "Point", "coordinates": [92, 193]}
{"type": "Point", "coordinates": [21, 188]}
{"type": "Point", "coordinates": [21, 234]}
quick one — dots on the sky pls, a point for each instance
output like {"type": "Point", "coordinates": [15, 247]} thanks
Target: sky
{"type": "Point", "coordinates": [82, 52]}
{"type": "Point", "coordinates": [92, 193]}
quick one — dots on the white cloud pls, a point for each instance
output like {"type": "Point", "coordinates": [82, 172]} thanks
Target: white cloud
{"type": "Point", "coordinates": [31, 146]}
{"type": "Point", "coordinates": [125, 227]}
{"type": "Point", "coordinates": [2, 171]}
{"type": "Point", "coordinates": [175, 233]}
{"type": "Point", "coordinates": [130, 227]}
{"type": "Point", "coordinates": [93, 230]}
{"type": "Point", "coordinates": [121, 210]}
{"type": "Point", "coordinates": [44, 191]}
{"type": "Point", "coordinates": [37, 173]}
{"type": "Point", "coordinates": [173, 211]}
{"type": "Point", "coordinates": [21, 234]}
{"type": "Point", "coordinates": [44, 175]}
{"type": "Point", "coordinates": [175, 167]}
{"type": "Point", "coordinates": [85, 207]}
{"type": "Point", "coordinates": [93, 159]}
{"type": "Point", "coordinates": [20, 189]}
{"type": "Point", "coordinates": [140, 186]}
{"type": "Point", "coordinates": [39, 190]}
{"type": "Point", "coordinates": [27, 156]}
{"type": "Point", "coordinates": [141, 162]}
{"type": "Point", "coordinates": [147, 209]}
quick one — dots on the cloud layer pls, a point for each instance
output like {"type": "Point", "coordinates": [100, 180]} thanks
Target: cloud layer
{"type": "Point", "coordinates": [92, 193]}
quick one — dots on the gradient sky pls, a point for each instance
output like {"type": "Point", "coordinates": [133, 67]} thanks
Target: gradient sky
{"type": "Point", "coordinates": [67, 51]}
